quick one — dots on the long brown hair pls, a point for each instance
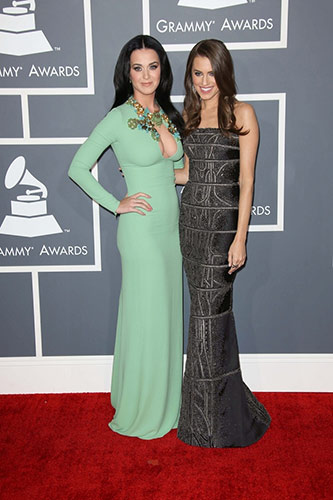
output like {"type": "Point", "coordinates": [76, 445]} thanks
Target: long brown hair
{"type": "Point", "coordinates": [223, 69]}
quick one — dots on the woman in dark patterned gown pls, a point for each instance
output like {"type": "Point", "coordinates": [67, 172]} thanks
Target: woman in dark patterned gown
{"type": "Point", "coordinates": [221, 139]}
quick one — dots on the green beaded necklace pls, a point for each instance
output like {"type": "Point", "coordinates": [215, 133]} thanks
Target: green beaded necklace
{"type": "Point", "coordinates": [148, 121]}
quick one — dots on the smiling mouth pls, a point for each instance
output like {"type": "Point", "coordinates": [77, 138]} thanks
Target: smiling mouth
{"type": "Point", "coordinates": [206, 89]}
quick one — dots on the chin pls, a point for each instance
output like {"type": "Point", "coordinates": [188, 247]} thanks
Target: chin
{"type": "Point", "coordinates": [208, 97]}
{"type": "Point", "coordinates": [148, 91]}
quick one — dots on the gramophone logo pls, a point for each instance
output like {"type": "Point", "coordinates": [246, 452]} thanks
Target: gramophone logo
{"type": "Point", "coordinates": [29, 211]}
{"type": "Point", "coordinates": [212, 4]}
{"type": "Point", "coordinates": [18, 33]}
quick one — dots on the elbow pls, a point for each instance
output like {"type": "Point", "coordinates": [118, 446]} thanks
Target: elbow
{"type": "Point", "coordinates": [246, 184]}
{"type": "Point", "coordinates": [72, 173]}
{"type": "Point", "coordinates": [246, 190]}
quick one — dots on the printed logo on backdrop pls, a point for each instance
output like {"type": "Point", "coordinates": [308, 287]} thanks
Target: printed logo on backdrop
{"type": "Point", "coordinates": [45, 44]}
{"type": "Point", "coordinates": [241, 24]}
{"type": "Point", "coordinates": [44, 219]}
{"type": "Point", "coordinates": [268, 203]}
{"type": "Point", "coordinates": [29, 210]}
{"type": "Point", "coordinates": [18, 33]}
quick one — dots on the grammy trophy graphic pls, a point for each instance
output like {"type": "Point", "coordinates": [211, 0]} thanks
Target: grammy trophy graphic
{"type": "Point", "coordinates": [29, 211]}
{"type": "Point", "coordinates": [18, 33]}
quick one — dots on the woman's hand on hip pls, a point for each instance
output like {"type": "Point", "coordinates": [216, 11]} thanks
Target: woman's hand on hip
{"type": "Point", "coordinates": [236, 255]}
{"type": "Point", "coordinates": [134, 203]}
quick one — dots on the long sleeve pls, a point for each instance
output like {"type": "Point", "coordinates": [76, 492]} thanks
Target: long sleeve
{"type": "Point", "coordinates": [103, 135]}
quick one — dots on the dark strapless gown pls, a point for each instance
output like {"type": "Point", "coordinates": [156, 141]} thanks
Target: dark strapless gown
{"type": "Point", "coordinates": [218, 410]}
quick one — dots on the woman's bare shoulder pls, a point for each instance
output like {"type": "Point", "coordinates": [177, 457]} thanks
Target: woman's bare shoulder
{"type": "Point", "coordinates": [243, 110]}
{"type": "Point", "coordinates": [244, 113]}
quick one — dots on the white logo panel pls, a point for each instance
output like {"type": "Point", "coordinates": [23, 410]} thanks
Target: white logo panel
{"type": "Point", "coordinates": [212, 4]}
{"type": "Point", "coordinates": [18, 33]}
{"type": "Point", "coordinates": [241, 24]}
{"type": "Point", "coordinates": [45, 222]}
{"type": "Point", "coordinates": [46, 47]}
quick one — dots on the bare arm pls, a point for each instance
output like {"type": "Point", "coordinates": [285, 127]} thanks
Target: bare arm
{"type": "Point", "coordinates": [181, 174]}
{"type": "Point", "coordinates": [248, 145]}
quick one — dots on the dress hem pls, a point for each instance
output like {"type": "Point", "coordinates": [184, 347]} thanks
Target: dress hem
{"type": "Point", "coordinates": [185, 441]}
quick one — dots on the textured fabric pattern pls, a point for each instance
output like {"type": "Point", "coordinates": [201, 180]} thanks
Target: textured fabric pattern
{"type": "Point", "coordinates": [218, 409]}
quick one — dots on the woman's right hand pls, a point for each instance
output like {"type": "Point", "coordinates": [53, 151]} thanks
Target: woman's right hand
{"type": "Point", "coordinates": [133, 203]}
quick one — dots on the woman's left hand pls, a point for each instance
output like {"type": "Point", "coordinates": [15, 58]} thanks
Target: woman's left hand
{"type": "Point", "coordinates": [236, 255]}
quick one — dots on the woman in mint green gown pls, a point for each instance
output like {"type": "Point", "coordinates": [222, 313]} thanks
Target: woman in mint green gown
{"type": "Point", "coordinates": [141, 128]}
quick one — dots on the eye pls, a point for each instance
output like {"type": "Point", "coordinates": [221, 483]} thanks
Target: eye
{"type": "Point", "coordinates": [211, 74]}
{"type": "Point", "coordinates": [197, 73]}
{"type": "Point", "coordinates": [137, 68]}
{"type": "Point", "coordinates": [153, 66]}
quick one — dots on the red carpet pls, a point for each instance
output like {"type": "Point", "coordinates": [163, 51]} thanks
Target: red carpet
{"type": "Point", "coordinates": [60, 447]}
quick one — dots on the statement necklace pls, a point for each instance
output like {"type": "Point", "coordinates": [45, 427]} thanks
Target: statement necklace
{"type": "Point", "coordinates": [148, 121]}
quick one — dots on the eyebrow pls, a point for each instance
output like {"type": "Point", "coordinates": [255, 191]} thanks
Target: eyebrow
{"type": "Point", "coordinates": [138, 64]}
{"type": "Point", "coordinates": [200, 70]}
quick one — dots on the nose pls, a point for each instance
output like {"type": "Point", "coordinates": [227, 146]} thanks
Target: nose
{"type": "Point", "coordinates": [146, 74]}
{"type": "Point", "coordinates": [204, 79]}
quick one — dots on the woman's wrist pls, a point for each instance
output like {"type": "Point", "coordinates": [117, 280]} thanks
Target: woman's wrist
{"type": "Point", "coordinates": [240, 237]}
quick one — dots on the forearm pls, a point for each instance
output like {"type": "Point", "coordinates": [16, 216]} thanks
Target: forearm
{"type": "Point", "coordinates": [181, 176]}
{"type": "Point", "coordinates": [244, 210]}
{"type": "Point", "coordinates": [82, 175]}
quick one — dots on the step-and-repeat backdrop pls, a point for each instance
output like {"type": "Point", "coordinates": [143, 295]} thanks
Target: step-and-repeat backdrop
{"type": "Point", "coordinates": [59, 266]}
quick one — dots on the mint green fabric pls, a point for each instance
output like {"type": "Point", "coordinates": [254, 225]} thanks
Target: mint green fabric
{"type": "Point", "coordinates": [147, 368]}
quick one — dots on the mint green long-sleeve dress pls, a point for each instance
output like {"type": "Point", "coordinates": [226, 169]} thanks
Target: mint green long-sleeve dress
{"type": "Point", "coordinates": [147, 367]}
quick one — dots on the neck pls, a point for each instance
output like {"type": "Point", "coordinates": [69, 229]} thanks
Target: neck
{"type": "Point", "coordinates": [147, 101]}
{"type": "Point", "coordinates": [210, 104]}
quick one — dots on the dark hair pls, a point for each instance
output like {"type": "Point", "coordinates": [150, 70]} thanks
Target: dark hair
{"type": "Point", "coordinates": [223, 69]}
{"type": "Point", "coordinates": [123, 86]}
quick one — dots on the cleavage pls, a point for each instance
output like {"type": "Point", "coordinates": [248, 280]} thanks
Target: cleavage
{"type": "Point", "coordinates": [167, 143]}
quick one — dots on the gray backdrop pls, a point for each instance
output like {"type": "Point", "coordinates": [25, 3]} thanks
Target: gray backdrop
{"type": "Point", "coordinates": [51, 100]}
